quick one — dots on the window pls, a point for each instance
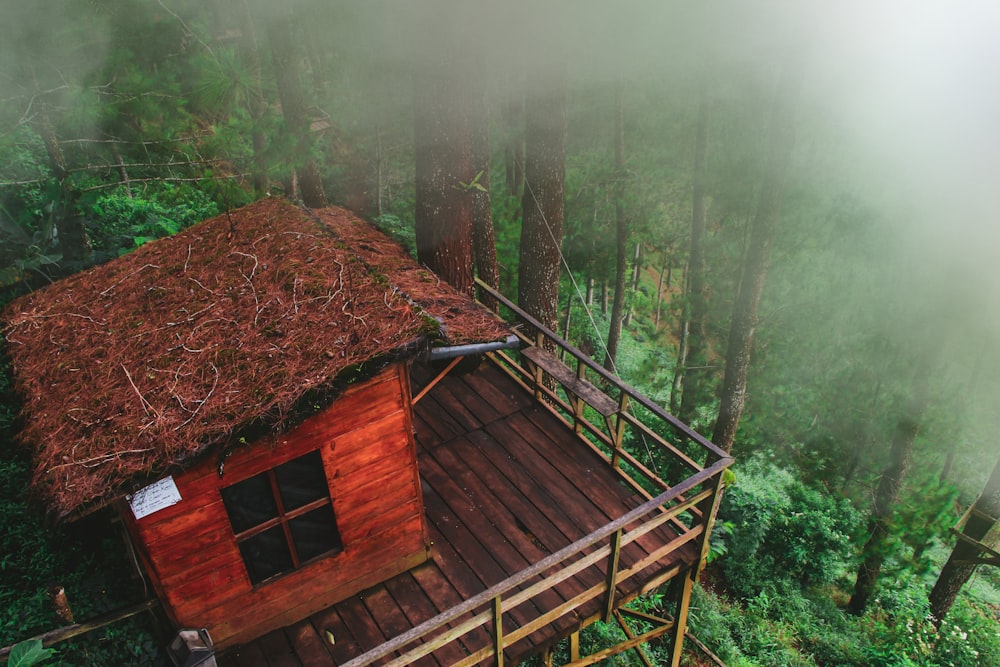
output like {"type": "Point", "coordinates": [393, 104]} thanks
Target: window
{"type": "Point", "coordinates": [283, 517]}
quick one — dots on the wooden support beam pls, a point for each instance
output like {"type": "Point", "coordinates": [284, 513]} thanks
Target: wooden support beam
{"type": "Point", "coordinates": [69, 631]}
{"type": "Point", "coordinates": [612, 575]}
{"type": "Point", "coordinates": [498, 641]}
{"type": "Point", "coordinates": [679, 628]}
{"type": "Point", "coordinates": [631, 635]}
{"type": "Point", "coordinates": [440, 376]}
{"type": "Point", "coordinates": [621, 647]}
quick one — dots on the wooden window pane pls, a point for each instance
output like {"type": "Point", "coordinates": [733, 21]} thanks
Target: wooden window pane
{"type": "Point", "coordinates": [302, 481]}
{"type": "Point", "coordinates": [266, 554]}
{"type": "Point", "coordinates": [249, 503]}
{"type": "Point", "coordinates": [315, 533]}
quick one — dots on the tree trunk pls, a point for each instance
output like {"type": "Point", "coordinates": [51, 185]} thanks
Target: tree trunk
{"type": "Point", "coordinates": [256, 104]}
{"type": "Point", "coordinates": [636, 273]}
{"type": "Point", "coordinates": [864, 440]}
{"type": "Point", "coordinates": [659, 287]}
{"type": "Point", "coordinates": [971, 389]}
{"type": "Point", "coordinates": [568, 319]}
{"type": "Point", "coordinates": [379, 167]}
{"type": "Point", "coordinates": [483, 233]}
{"type": "Point", "coordinates": [512, 113]}
{"type": "Point", "coordinates": [887, 493]}
{"type": "Point", "coordinates": [755, 264]}
{"type": "Point", "coordinates": [961, 563]}
{"type": "Point", "coordinates": [293, 107]}
{"type": "Point", "coordinates": [72, 241]}
{"type": "Point", "coordinates": [122, 171]}
{"type": "Point", "coordinates": [621, 233]}
{"type": "Point", "coordinates": [693, 382]}
{"type": "Point", "coordinates": [544, 188]}
{"type": "Point", "coordinates": [677, 386]}
{"type": "Point", "coordinates": [445, 162]}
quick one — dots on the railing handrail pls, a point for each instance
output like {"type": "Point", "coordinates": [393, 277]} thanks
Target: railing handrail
{"type": "Point", "coordinates": [546, 563]}
{"type": "Point", "coordinates": [633, 393]}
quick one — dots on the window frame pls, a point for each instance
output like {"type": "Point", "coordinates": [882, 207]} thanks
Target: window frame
{"type": "Point", "coordinates": [284, 519]}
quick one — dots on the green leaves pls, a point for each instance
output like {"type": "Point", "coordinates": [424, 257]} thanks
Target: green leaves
{"type": "Point", "coordinates": [28, 653]}
{"type": "Point", "coordinates": [474, 184]}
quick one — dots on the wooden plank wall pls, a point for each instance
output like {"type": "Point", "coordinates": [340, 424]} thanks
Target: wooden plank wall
{"type": "Point", "coordinates": [366, 442]}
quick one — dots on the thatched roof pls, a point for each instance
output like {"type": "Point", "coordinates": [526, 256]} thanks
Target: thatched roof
{"type": "Point", "coordinates": [137, 367]}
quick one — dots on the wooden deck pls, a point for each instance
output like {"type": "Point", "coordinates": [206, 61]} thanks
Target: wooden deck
{"type": "Point", "coordinates": [506, 484]}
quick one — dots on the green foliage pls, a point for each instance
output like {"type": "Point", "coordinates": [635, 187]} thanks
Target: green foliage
{"type": "Point", "coordinates": [399, 230]}
{"type": "Point", "coordinates": [783, 530]}
{"type": "Point", "coordinates": [782, 626]}
{"type": "Point", "coordinates": [120, 223]}
{"type": "Point", "coordinates": [86, 558]}
{"type": "Point", "coordinates": [29, 653]}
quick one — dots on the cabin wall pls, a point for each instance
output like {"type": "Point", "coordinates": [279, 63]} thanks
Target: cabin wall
{"type": "Point", "coordinates": [366, 442]}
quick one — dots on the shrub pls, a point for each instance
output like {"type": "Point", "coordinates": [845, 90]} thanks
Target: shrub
{"type": "Point", "coordinates": [118, 223]}
{"type": "Point", "coordinates": [783, 530]}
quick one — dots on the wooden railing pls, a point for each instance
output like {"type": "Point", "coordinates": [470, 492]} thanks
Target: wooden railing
{"type": "Point", "coordinates": [489, 607]}
{"type": "Point", "coordinates": [678, 472]}
{"type": "Point", "coordinates": [648, 446]}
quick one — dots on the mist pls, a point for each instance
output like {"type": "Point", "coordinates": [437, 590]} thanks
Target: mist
{"type": "Point", "coordinates": [899, 104]}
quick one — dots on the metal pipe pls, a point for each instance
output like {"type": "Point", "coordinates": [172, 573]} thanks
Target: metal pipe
{"type": "Point", "coordinates": [450, 352]}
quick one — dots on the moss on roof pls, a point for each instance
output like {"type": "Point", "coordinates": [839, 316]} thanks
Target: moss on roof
{"type": "Point", "coordinates": [139, 366]}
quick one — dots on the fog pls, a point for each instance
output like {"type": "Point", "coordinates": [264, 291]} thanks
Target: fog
{"type": "Point", "coordinates": [904, 92]}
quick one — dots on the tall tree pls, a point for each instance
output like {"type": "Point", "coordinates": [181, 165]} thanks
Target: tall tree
{"type": "Point", "coordinates": [544, 190]}
{"type": "Point", "coordinates": [691, 373]}
{"type": "Point", "coordinates": [483, 233]}
{"type": "Point", "coordinates": [983, 518]}
{"type": "Point", "coordinates": [72, 241]}
{"type": "Point", "coordinates": [256, 104]}
{"type": "Point", "coordinates": [512, 113]}
{"type": "Point", "coordinates": [755, 262]}
{"type": "Point", "coordinates": [446, 180]}
{"type": "Point", "coordinates": [285, 57]}
{"type": "Point", "coordinates": [621, 231]}
{"type": "Point", "coordinates": [887, 493]}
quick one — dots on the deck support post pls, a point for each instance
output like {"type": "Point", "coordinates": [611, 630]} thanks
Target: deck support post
{"type": "Point", "coordinates": [574, 646]}
{"type": "Point", "coordinates": [683, 598]}
{"type": "Point", "coordinates": [616, 429]}
{"type": "Point", "coordinates": [612, 577]}
{"type": "Point", "coordinates": [623, 624]}
{"type": "Point", "coordinates": [498, 631]}
{"type": "Point", "coordinates": [538, 374]}
{"type": "Point", "coordinates": [709, 507]}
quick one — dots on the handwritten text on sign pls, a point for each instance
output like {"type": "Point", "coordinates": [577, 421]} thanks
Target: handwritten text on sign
{"type": "Point", "coordinates": [154, 497]}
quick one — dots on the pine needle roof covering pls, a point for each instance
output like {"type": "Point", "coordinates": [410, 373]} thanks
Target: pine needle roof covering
{"type": "Point", "coordinates": [135, 368]}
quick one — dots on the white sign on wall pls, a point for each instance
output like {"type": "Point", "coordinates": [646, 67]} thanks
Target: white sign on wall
{"type": "Point", "coordinates": [154, 497]}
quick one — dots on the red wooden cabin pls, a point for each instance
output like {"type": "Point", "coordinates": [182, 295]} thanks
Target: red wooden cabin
{"type": "Point", "coordinates": [241, 392]}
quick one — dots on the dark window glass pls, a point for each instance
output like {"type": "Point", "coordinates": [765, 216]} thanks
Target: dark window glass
{"type": "Point", "coordinates": [250, 502]}
{"type": "Point", "coordinates": [315, 533]}
{"type": "Point", "coordinates": [283, 517]}
{"type": "Point", "coordinates": [302, 481]}
{"type": "Point", "coordinates": [266, 554]}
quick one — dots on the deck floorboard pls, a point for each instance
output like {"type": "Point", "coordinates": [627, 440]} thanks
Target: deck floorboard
{"type": "Point", "coordinates": [505, 484]}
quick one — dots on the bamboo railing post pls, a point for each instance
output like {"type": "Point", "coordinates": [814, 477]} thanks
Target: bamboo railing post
{"type": "Point", "coordinates": [616, 429]}
{"type": "Point", "coordinates": [577, 401]}
{"type": "Point", "coordinates": [612, 576]}
{"type": "Point", "coordinates": [680, 618]}
{"type": "Point", "coordinates": [708, 510]}
{"type": "Point", "coordinates": [574, 646]}
{"type": "Point", "coordinates": [498, 631]}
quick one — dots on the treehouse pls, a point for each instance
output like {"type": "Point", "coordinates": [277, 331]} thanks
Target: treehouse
{"type": "Point", "coordinates": [325, 455]}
